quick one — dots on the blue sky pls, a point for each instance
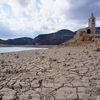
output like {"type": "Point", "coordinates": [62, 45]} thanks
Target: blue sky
{"type": "Point", "coordinates": [21, 18]}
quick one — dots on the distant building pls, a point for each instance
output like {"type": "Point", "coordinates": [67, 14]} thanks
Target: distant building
{"type": "Point", "coordinates": [91, 24]}
{"type": "Point", "coordinates": [90, 30]}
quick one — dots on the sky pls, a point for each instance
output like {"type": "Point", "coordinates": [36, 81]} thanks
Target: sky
{"type": "Point", "coordinates": [29, 18]}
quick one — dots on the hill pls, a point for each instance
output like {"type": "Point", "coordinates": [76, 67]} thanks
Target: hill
{"type": "Point", "coordinates": [98, 30]}
{"type": "Point", "coordinates": [2, 41]}
{"type": "Point", "coordinates": [20, 41]}
{"type": "Point", "coordinates": [53, 38]}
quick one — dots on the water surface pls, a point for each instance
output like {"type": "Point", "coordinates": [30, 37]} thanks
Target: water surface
{"type": "Point", "coordinates": [14, 49]}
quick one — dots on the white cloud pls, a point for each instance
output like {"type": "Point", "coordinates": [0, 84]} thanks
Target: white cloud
{"type": "Point", "coordinates": [29, 16]}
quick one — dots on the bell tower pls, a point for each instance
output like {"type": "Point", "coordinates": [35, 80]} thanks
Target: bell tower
{"type": "Point", "coordinates": [92, 23]}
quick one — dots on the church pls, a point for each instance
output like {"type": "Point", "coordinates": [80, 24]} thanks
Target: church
{"type": "Point", "coordinates": [90, 30]}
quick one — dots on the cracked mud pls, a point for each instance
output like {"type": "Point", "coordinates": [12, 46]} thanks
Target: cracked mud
{"type": "Point", "coordinates": [71, 73]}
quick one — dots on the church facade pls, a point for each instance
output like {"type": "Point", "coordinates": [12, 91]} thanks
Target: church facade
{"type": "Point", "coordinates": [90, 30]}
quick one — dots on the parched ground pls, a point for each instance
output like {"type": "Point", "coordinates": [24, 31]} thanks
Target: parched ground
{"type": "Point", "coordinates": [68, 73]}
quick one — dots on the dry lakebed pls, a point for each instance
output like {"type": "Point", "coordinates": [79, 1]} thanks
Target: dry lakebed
{"type": "Point", "coordinates": [67, 73]}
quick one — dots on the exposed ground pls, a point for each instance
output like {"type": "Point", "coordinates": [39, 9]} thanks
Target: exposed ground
{"type": "Point", "coordinates": [68, 73]}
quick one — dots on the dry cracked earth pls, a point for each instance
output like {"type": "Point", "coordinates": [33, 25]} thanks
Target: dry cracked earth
{"type": "Point", "coordinates": [70, 73]}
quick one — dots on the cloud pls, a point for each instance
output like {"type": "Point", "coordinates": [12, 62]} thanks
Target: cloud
{"type": "Point", "coordinates": [5, 32]}
{"type": "Point", "coordinates": [26, 17]}
{"type": "Point", "coordinates": [6, 8]}
{"type": "Point", "coordinates": [83, 8]}
{"type": "Point", "coordinates": [24, 3]}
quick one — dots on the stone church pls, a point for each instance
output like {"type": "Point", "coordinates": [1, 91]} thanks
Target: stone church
{"type": "Point", "coordinates": [90, 30]}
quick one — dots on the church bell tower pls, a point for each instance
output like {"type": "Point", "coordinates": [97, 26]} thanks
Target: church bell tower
{"type": "Point", "coordinates": [92, 23]}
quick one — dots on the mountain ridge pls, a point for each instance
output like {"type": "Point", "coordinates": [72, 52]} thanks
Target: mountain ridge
{"type": "Point", "coordinates": [54, 38]}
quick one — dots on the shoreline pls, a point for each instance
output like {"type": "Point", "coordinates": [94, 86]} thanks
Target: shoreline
{"type": "Point", "coordinates": [39, 46]}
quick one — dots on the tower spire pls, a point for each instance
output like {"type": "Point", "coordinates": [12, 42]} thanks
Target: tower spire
{"type": "Point", "coordinates": [92, 15]}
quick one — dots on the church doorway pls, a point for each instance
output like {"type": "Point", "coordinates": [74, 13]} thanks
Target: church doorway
{"type": "Point", "coordinates": [88, 31]}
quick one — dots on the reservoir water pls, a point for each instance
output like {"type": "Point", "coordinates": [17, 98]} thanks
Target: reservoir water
{"type": "Point", "coordinates": [15, 49]}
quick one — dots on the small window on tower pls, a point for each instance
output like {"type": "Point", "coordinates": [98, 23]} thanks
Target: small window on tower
{"type": "Point", "coordinates": [93, 20]}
